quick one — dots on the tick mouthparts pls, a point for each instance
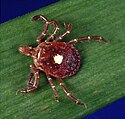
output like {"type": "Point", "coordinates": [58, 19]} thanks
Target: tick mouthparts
{"type": "Point", "coordinates": [26, 50]}
{"type": "Point", "coordinates": [21, 49]}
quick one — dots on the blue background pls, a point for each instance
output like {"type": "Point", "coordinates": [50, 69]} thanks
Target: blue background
{"type": "Point", "coordinates": [115, 110]}
{"type": "Point", "coordinates": [13, 8]}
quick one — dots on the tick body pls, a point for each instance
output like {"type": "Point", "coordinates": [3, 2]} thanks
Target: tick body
{"type": "Point", "coordinates": [54, 58]}
{"type": "Point", "coordinates": [58, 59]}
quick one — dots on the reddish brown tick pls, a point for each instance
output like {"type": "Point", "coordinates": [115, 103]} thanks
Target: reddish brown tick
{"type": "Point", "coordinates": [54, 58]}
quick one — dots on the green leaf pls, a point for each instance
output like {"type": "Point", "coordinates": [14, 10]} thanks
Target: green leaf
{"type": "Point", "coordinates": [101, 78]}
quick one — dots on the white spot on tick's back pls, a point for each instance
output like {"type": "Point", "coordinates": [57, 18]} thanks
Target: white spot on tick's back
{"type": "Point", "coordinates": [58, 59]}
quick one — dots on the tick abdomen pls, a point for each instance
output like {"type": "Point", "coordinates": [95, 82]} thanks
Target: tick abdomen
{"type": "Point", "coordinates": [58, 59]}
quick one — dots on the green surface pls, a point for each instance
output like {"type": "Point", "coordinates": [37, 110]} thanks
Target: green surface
{"type": "Point", "coordinates": [101, 78]}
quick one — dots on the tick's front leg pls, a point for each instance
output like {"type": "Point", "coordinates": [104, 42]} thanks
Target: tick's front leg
{"type": "Point", "coordinates": [31, 85]}
{"type": "Point", "coordinates": [46, 28]}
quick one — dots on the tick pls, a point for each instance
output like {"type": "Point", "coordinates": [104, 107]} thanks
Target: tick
{"type": "Point", "coordinates": [56, 59]}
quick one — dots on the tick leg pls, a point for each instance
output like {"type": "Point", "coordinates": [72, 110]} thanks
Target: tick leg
{"type": "Point", "coordinates": [99, 38]}
{"type": "Point", "coordinates": [46, 28]}
{"type": "Point", "coordinates": [55, 30]}
{"type": "Point", "coordinates": [30, 83]}
{"type": "Point", "coordinates": [53, 87]}
{"type": "Point", "coordinates": [41, 36]}
{"type": "Point", "coordinates": [31, 86]}
{"type": "Point", "coordinates": [69, 94]}
{"type": "Point", "coordinates": [69, 28]}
